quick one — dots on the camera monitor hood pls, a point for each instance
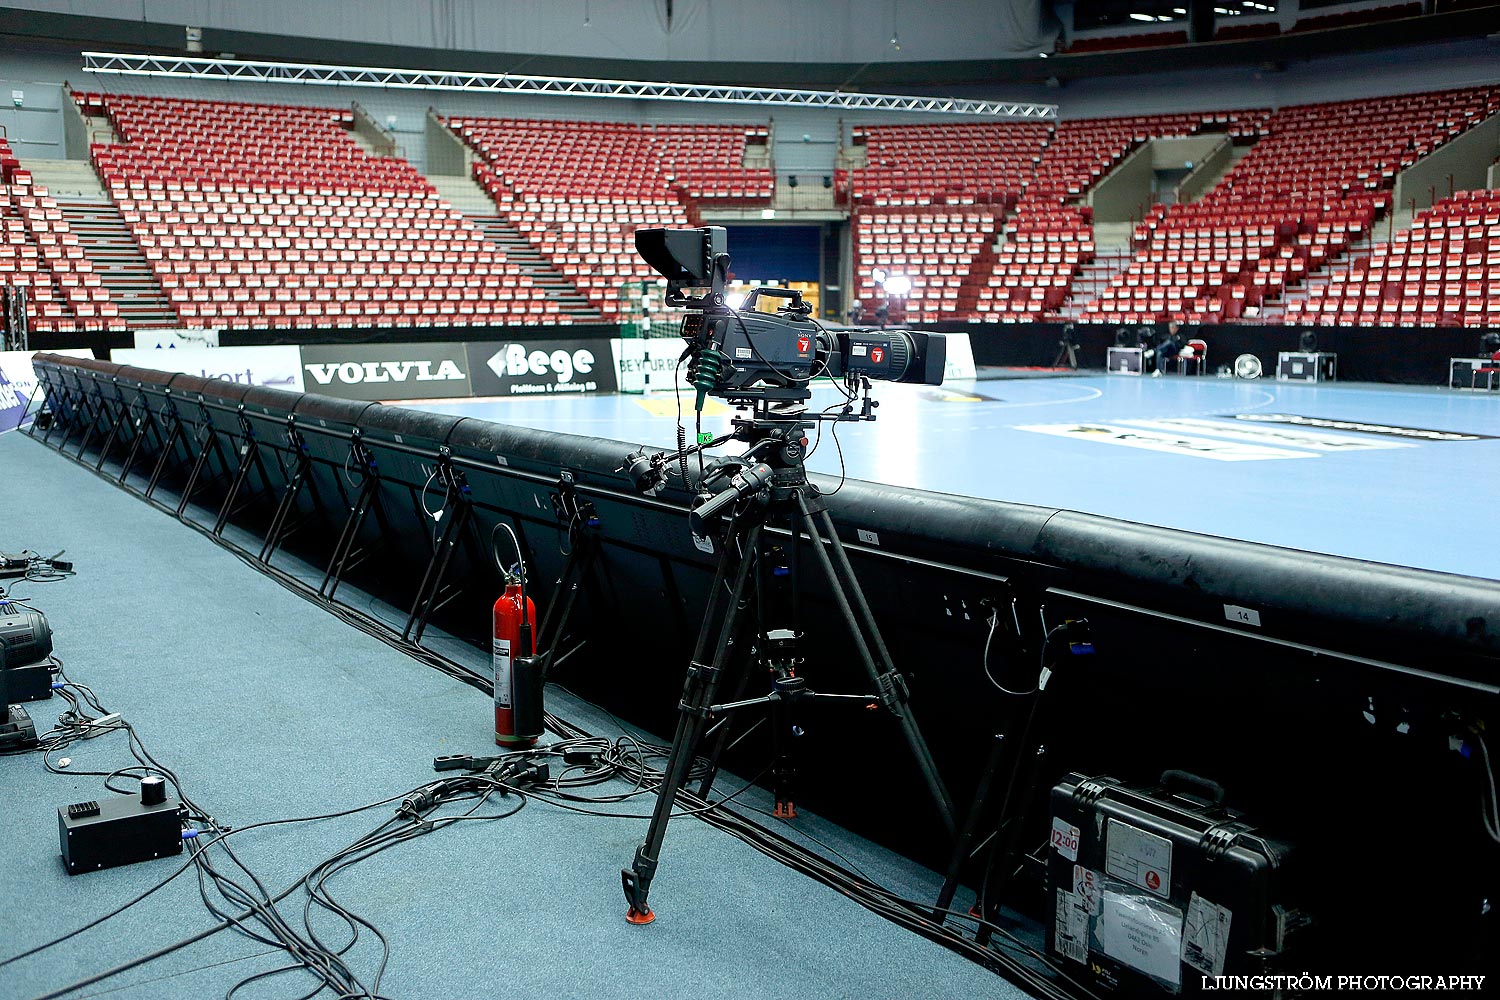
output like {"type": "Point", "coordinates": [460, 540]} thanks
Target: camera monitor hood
{"type": "Point", "coordinates": [687, 258]}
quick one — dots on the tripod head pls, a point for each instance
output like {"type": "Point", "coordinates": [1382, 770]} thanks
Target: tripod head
{"type": "Point", "coordinates": [759, 420]}
{"type": "Point", "coordinates": [769, 469]}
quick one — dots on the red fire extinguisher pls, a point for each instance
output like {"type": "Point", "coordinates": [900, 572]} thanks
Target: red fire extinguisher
{"type": "Point", "coordinates": [518, 694]}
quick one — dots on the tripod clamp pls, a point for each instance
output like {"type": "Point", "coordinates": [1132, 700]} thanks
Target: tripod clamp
{"type": "Point", "coordinates": [894, 692]}
{"type": "Point", "coordinates": [699, 676]}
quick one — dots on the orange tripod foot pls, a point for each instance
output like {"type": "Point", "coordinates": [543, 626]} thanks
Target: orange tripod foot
{"type": "Point", "coordinates": [639, 917]}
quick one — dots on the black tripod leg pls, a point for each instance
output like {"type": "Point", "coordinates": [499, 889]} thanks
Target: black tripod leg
{"type": "Point", "coordinates": [889, 683]}
{"type": "Point", "coordinates": [722, 732]}
{"type": "Point", "coordinates": [970, 828]}
{"type": "Point", "coordinates": [1003, 860]}
{"type": "Point", "coordinates": [698, 692]}
{"type": "Point", "coordinates": [750, 628]}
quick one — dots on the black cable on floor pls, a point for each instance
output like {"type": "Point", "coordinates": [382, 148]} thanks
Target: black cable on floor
{"type": "Point", "coordinates": [904, 912]}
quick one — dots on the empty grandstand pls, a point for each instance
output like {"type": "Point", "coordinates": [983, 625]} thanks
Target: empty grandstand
{"type": "Point", "coordinates": [981, 498]}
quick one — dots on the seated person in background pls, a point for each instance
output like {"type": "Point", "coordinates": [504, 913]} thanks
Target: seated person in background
{"type": "Point", "coordinates": [1168, 348]}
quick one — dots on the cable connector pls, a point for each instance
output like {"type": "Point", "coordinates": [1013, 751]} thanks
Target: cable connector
{"type": "Point", "coordinates": [533, 774]}
{"type": "Point", "coordinates": [587, 757]}
{"type": "Point", "coordinates": [1080, 637]}
{"type": "Point", "coordinates": [417, 802]}
{"type": "Point", "coordinates": [463, 762]}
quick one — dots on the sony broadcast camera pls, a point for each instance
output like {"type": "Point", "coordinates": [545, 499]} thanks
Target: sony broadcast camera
{"type": "Point", "coordinates": [752, 358]}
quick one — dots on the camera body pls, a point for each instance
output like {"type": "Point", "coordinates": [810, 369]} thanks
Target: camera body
{"type": "Point", "coordinates": [749, 356]}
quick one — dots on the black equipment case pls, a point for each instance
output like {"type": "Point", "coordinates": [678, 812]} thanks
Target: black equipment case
{"type": "Point", "coordinates": [1152, 889]}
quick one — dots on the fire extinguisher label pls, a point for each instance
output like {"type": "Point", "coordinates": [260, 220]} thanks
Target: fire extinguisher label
{"type": "Point", "coordinates": [502, 673]}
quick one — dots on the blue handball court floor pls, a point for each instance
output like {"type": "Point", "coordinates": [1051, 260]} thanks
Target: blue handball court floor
{"type": "Point", "coordinates": [1394, 474]}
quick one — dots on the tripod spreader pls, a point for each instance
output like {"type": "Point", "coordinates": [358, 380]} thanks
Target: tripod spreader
{"type": "Point", "coordinates": [803, 695]}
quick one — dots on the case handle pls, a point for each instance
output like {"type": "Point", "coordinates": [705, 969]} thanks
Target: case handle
{"type": "Point", "coordinates": [1176, 781]}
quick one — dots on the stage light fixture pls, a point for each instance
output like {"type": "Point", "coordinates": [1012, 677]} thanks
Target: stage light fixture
{"type": "Point", "coordinates": [25, 636]}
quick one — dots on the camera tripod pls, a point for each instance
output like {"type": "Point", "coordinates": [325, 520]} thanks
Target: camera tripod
{"type": "Point", "coordinates": [755, 594]}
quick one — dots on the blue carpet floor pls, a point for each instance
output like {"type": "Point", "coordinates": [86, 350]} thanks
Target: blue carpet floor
{"type": "Point", "coordinates": [268, 707]}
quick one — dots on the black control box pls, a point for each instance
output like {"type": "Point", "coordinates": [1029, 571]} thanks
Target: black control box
{"type": "Point", "coordinates": [30, 683]}
{"type": "Point", "coordinates": [17, 732]}
{"type": "Point", "coordinates": [119, 830]}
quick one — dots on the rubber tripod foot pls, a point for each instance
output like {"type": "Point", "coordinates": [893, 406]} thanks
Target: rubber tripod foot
{"type": "Point", "coordinates": [639, 917]}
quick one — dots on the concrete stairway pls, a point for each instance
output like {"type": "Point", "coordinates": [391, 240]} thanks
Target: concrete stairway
{"type": "Point", "coordinates": [65, 178]}
{"type": "Point", "coordinates": [1093, 278]}
{"type": "Point", "coordinates": [1113, 237]}
{"type": "Point", "coordinates": [554, 284]}
{"type": "Point", "coordinates": [1236, 154]}
{"type": "Point", "coordinates": [757, 156]}
{"type": "Point", "coordinates": [464, 194]}
{"type": "Point", "coordinates": [132, 285]}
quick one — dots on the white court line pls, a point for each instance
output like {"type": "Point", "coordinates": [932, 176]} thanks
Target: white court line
{"type": "Point", "coordinates": [1169, 442]}
{"type": "Point", "coordinates": [1268, 434]}
{"type": "Point", "coordinates": [1052, 402]}
{"type": "Point", "coordinates": [1270, 398]}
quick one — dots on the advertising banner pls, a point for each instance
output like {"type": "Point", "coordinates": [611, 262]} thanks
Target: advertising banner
{"type": "Point", "coordinates": [380, 372]}
{"type": "Point", "coordinates": [960, 361]}
{"type": "Point", "coordinates": [12, 404]}
{"type": "Point", "coordinates": [146, 340]}
{"type": "Point", "coordinates": [280, 367]}
{"type": "Point", "coordinates": [540, 367]}
{"type": "Point", "coordinates": [650, 364]}
{"type": "Point", "coordinates": [18, 383]}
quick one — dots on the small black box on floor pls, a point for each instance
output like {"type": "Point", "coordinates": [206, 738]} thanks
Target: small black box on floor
{"type": "Point", "coordinates": [1152, 889]}
{"type": "Point", "coordinates": [119, 830]}
{"type": "Point", "coordinates": [1125, 360]}
{"type": "Point", "coordinates": [32, 682]}
{"type": "Point", "coordinates": [1298, 366]}
{"type": "Point", "coordinates": [17, 731]}
{"type": "Point", "coordinates": [1474, 373]}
